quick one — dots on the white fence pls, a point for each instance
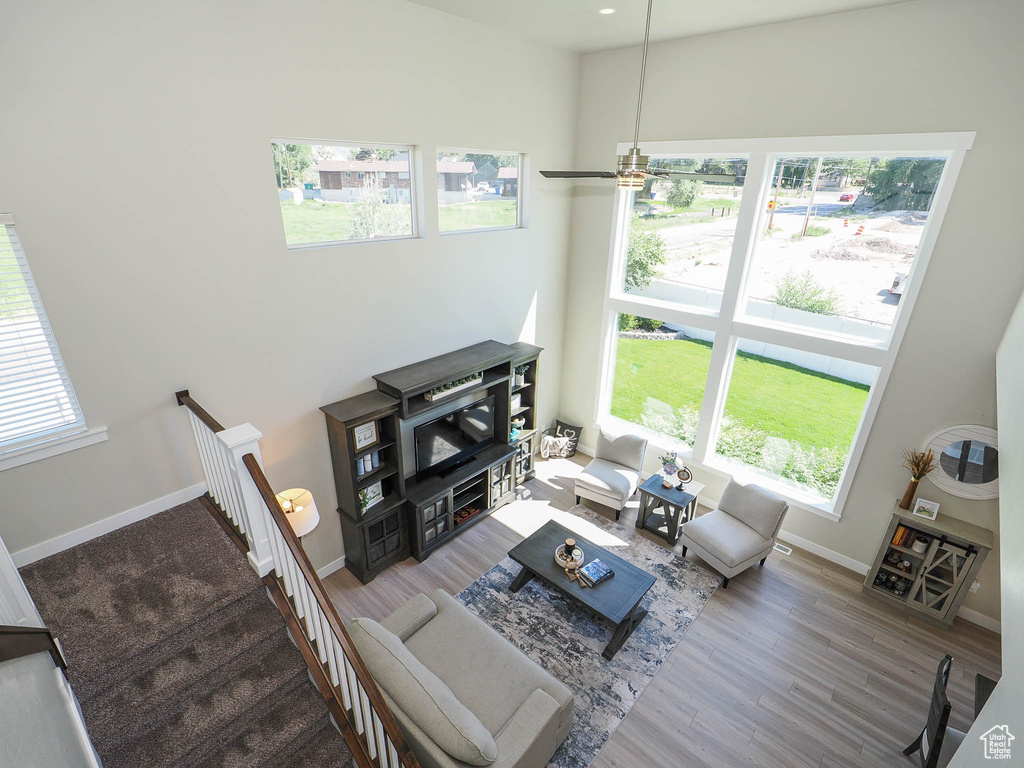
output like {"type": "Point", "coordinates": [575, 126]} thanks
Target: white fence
{"type": "Point", "coordinates": [667, 290]}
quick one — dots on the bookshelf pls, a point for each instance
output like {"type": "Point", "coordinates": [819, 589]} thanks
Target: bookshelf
{"type": "Point", "coordinates": [523, 405]}
{"type": "Point", "coordinates": [927, 566]}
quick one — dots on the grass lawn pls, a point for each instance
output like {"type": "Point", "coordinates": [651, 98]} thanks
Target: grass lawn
{"type": "Point", "coordinates": [674, 219]}
{"type": "Point", "coordinates": [483, 213]}
{"type": "Point", "coordinates": [317, 222]}
{"type": "Point", "coordinates": [795, 403]}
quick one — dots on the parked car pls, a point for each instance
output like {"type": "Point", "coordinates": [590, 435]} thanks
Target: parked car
{"type": "Point", "coordinates": [483, 186]}
{"type": "Point", "coordinates": [846, 197]}
{"type": "Point", "coordinates": [898, 284]}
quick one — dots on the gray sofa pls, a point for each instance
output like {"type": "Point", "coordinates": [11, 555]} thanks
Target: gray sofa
{"type": "Point", "coordinates": [462, 693]}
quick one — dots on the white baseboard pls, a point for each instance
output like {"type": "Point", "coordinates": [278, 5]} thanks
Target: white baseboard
{"type": "Point", "coordinates": [106, 525]}
{"type": "Point", "coordinates": [967, 614]}
{"type": "Point", "coordinates": [828, 554]}
{"type": "Point", "coordinates": [331, 567]}
{"type": "Point", "coordinates": [983, 621]}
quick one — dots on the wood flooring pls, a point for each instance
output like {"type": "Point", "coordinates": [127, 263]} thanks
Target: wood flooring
{"type": "Point", "coordinates": [790, 666]}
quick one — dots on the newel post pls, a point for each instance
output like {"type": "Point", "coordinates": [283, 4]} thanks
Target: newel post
{"type": "Point", "coordinates": [239, 441]}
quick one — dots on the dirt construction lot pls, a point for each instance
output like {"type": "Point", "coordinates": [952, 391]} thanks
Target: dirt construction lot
{"type": "Point", "coordinates": [859, 268]}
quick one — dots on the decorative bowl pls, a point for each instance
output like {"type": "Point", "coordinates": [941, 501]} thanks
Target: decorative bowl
{"type": "Point", "coordinates": [561, 561]}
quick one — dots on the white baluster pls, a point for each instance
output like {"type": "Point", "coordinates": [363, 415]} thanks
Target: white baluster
{"type": "Point", "coordinates": [345, 685]}
{"type": "Point", "coordinates": [353, 685]}
{"type": "Point", "coordinates": [238, 441]}
{"type": "Point", "coordinates": [378, 730]}
{"type": "Point", "coordinates": [392, 754]}
{"type": "Point", "coordinates": [364, 703]}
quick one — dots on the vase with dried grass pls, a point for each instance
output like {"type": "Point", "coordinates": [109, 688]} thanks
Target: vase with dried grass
{"type": "Point", "coordinates": [920, 463]}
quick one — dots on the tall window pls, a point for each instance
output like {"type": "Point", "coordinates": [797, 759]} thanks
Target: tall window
{"type": "Point", "coordinates": [343, 193]}
{"type": "Point", "coordinates": [37, 401]}
{"type": "Point", "coordinates": [753, 321]}
{"type": "Point", "coordinates": [478, 190]}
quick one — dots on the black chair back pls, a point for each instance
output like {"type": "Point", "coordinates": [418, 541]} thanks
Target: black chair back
{"type": "Point", "coordinates": [938, 717]}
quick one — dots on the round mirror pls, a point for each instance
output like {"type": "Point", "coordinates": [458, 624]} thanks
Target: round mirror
{"type": "Point", "coordinates": [968, 461]}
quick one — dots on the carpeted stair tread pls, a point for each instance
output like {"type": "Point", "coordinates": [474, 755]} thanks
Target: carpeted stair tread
{"type": "Point", "coordinates": [176, 653]}
{"type": "Point", "coordinates": [326, 749]}
{"type": "Point", "coordinates": [152, 697]}
{"type": "Point", "coordinates": [276, 737]}
{"type": "Point", "coordinates": [168, 571]}
{"type": "Point", "coordinates": [211, 715]}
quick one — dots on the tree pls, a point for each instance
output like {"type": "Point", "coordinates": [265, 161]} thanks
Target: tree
{"type": "Point", "coordinates": [904, 183]}
{"type": "Point", "coordinates": [373, 216]}
{"type": "Point", "coordinates": [683, 192]}
{"type": "Point", "coordinates": [292, 164]}
{"type": "Point", "coordinates": [375, 154]}
{"type": "Point", "coordinates": [646, 251]}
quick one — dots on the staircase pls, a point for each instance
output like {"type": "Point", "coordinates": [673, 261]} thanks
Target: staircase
{"type": "Point", "coordinates": [176, 653]}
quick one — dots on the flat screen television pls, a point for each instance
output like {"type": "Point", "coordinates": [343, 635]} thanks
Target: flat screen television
{"type": "Point", "coordinates": [449, 441]}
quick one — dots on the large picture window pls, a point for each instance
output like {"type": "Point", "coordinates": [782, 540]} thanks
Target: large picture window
{"type": "Point", "coordinates": [753, 323]}
{"type": "Point", "coordinates": [343, 193]}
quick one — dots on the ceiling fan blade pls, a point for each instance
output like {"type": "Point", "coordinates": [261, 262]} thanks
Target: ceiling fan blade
{"type": "Point", "coordinates": [721, 178]}
{"type": "Point", "coordinates": [578, 174]}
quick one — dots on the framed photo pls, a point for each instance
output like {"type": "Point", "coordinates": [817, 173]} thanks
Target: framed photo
{"type": "Point", "coordinates": [370, 495]}
{"type": "Point", "coordinates": [365, 435]}
{"type": "Point", "coordinates": [926, 509]}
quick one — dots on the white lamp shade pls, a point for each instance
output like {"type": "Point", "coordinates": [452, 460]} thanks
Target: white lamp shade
{"type": "Point", "coordinates": [299, 509]}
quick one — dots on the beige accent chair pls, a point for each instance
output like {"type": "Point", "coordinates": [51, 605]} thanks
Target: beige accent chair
{"type": "Point", "coordinates": [739, 533]}
{"type": "Point", "coordinates": [462, 694]}
{"type": "Point", "coordinates": [612, 477]}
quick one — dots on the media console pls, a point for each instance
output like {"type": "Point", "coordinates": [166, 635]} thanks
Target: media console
{"type": "Point", "coordinates": [386, 513]}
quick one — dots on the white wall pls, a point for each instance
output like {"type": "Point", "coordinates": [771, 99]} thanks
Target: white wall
{"type": "Point", "coordinates": [186, 281]}
{"type": "Point", "coordinates": [1007, 701]}
{"type": "Point", "coordinates": [935, 65]}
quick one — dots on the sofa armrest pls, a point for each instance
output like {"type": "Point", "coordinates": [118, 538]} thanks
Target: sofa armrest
{"type": "Point", "coordinates": [530, 737]}
{"type": "Point", "coordinates": [410, 618]}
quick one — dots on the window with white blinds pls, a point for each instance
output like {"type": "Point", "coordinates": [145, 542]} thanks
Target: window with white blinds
{"type": "Point", "coordinates": [37, 401]}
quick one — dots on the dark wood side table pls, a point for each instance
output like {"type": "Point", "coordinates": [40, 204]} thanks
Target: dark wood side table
{"type": "Point", "coordinates": [677, 507]}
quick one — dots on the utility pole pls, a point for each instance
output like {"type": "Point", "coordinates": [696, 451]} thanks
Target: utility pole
{"type": "Point", "coordinates": [810, 200]}
{"type": "Point", "coordinates": [775, 202]}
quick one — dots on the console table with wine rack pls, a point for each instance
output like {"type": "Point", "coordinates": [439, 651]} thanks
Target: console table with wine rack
{"type": "Point", "coordinates": [927, 566]}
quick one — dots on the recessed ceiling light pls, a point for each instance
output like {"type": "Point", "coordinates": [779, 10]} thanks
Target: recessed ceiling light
{"type": "Point", "coordinates": [606, 11]}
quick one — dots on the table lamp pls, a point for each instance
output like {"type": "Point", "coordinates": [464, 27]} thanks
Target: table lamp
{"type": "Point", "coordinates": [299, 509]}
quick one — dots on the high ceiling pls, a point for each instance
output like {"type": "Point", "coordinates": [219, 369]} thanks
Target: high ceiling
{"type": "Point", "coordinates": [577, 25]}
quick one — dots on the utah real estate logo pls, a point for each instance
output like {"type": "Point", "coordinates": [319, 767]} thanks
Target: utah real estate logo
{"type": "Point", "coordinates": [997, 743]}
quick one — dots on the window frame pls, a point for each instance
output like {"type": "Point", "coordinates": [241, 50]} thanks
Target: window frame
{"type": "Point", "coordinates": [66, 437]}
{"type": "Point", "coordinates": [521, 195]}
{"type": "Point", "coordinates": [415, 190]}
{"type": "Point", "coordinates": [730, 323]}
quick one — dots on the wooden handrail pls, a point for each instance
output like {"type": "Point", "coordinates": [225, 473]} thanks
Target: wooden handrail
{"type": "Point", "coordinates": [183, 398]}
{"type": "Point", "coordinates": [16, 642]}
{"type": "Point", "coordinates": [337, 626]}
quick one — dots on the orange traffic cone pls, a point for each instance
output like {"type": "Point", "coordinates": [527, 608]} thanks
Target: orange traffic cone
{"type": "Point", "coordinates": [846, 222]}
{"type": "Point", "coordinates": [860, 230]}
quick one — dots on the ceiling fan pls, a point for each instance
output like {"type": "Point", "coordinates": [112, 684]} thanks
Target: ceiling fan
{"type": "Point", "coordinates": [633, 168]}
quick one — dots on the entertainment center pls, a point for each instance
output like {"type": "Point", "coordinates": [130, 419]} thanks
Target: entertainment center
{"type": "Point", "coordinates": [432, 451]}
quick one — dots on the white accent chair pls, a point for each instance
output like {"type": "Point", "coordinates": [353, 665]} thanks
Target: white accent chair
{"type": "Point", "coordinates": [612, 477]}
{"type": "Point", "coordinates": [739, 533]}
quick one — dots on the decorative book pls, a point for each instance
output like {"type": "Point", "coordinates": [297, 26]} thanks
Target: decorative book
{"type": "Point", "coordinates": [596, 571]}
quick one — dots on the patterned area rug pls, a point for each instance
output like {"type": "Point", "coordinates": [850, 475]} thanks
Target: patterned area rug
{"type": "Point", "coordinates": [567, 641]}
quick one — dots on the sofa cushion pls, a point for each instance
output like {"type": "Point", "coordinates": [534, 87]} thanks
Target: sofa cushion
{"type": "Point", "coordinates": [627, 450]}
{"type": "Point", "coordinates": [422, 695]}
{"type": "Point", "coordinates": [612, 480]}
{"type": "Point", "coordinates": [755, 506]}
{"type": "Point", "coordinates": [506, 669]}
{"type": "Point", "coordinates": [725, 536]}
